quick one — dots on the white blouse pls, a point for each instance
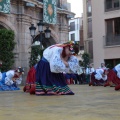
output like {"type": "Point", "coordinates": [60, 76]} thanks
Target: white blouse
{"type": "Point", "coordinates": [99, 73]}
{"type": "Point", "coordinates": [117, 68]}
{"type": "Point", "coordinates": [52, 55]}
{"type": "Point", "coordinates": [9, 76]}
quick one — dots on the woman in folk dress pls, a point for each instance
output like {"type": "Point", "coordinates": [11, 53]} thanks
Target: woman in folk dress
{"type": "Point", "coordinates": [10, 80]}
{"type": "Point", "coordinates": [56, 60]}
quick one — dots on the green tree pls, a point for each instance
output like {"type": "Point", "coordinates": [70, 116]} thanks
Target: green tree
{"type": "Point", "coordinates": [7, 45]}
{"type": "Point", "coordinates": [35, 52]}
{"type": "Point", "coordinates": [86, 59]}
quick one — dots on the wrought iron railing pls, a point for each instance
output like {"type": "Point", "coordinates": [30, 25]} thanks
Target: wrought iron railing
{"type": "Point", "coordinates": [111, 40]}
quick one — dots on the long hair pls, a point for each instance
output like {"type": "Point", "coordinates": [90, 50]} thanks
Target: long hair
{"type": "Point", "coordinates": [76, 48]}
{"type": "Point", "coordinates": [63, 52]}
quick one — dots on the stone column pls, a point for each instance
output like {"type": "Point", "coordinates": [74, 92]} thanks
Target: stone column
{"type": "Point", "coordinates": [63, 29]}
{"type": "Point", "coordinates": [23, 40]}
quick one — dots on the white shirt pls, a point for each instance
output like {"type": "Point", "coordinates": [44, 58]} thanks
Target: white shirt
{"type": "Point", "coordinates": [52, 55]}
{"type": "Point", "coordinates": [102, 68]}
{"type": "Point", "coordinates": [117, 68]}
{"type": "Point", "coordinates": [50, 51]}
{"type": "Point", "coordinates": [80, 71]}
{"type": "Point", "coordinates": [89, 71]}
{"type": "Point", "coordinates": [8, 79]}
{"type": "Point", "coordinates": [99, 73]}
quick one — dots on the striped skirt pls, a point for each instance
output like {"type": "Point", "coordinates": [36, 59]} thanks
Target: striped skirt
{"type": "Point", "coordinates": [48, 83]}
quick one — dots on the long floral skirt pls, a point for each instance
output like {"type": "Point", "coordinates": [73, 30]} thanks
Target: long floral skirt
{"type": "Point", "coordinates": [48, 83]}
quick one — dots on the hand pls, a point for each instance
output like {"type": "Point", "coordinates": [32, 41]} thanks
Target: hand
{"type": "Point", "coordinates": [66, 63]}
{"type": "Point", "coordinates": [13, 79]}
{"type": "Point", "coordinates": [103, 75]}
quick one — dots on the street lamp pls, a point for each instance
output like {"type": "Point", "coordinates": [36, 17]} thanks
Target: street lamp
{"type": "Point", "coordinates": [47, 32]}
{"type": "Point", "coordinates": [40, 29]}
{"type": "Point", "coordinates": [40, 26]}
{"type": "Point", "coordinates": [32, 30]}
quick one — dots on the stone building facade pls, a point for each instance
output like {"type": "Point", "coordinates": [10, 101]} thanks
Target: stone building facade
{"type": "Point", "coordinates": [20, 19]}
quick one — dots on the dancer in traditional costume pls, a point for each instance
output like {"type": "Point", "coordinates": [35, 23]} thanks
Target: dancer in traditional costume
{"type": "Point", "coordinates": [99, 77]}
{"type": "Point", "coordinates": [30, 81]}
{"type": "Point", "coordinates": [11, 79]}
{"type": "Point", "coordinates": [114, 77]}
{"type": "Point", "coordinates": [56, 60]}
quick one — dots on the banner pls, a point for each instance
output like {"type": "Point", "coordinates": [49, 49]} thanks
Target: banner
{"type": "Point", "coordinates": [5, 6]}
{"type": "Point", "coordinates": [49, 11]}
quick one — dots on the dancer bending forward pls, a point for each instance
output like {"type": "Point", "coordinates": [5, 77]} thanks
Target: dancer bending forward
{"type": "Point", "coordinates": [49, 72]}
{"type": "Point", "coordinates": [99, 77]}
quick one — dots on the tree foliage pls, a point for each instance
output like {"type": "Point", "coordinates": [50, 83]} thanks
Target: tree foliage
{"type": "Point", "coordinates": [35, 52]}
{"type": "Point", "coordinates": [86, 59]}
{"type": "Point", "coordinates": [7, 45]}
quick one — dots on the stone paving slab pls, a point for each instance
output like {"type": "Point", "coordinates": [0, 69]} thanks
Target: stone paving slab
{"type": "Point", "coordinates": [88, 103]}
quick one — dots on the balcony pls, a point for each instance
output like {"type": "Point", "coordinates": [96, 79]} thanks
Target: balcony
{"type": "Point", "coordinates": [111, 40]}
{"type": "Point", "coordinates": [111, 5]}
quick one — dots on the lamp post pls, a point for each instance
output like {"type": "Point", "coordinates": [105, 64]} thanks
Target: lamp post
{"type": "Point", "coordinates": [32, 30]}
{"type": "Point", "coordinates": [40, 29]}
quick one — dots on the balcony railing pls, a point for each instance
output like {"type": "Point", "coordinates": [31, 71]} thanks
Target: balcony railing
{"type": "Point", "coordinates": [110, 6]}
{"type": "Point", "coordinates": [111, 40]}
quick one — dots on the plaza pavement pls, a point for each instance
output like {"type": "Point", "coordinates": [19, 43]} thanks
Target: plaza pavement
{"type": "Point", "coordinates": [88, 103]}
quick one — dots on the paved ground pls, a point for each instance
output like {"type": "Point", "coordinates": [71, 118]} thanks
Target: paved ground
{"type": "Point", "coordinates": [89, 103]}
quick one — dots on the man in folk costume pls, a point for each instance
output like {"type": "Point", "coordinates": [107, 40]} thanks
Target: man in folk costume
{"type": "Point", "coordinates": [11, 79]}
{"type": "Point", "coordinates": [57, 59]}
{"type": "Point", "coordinates": [99, 77]}
{"type": "Point", "coordinates": [114, 77]}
